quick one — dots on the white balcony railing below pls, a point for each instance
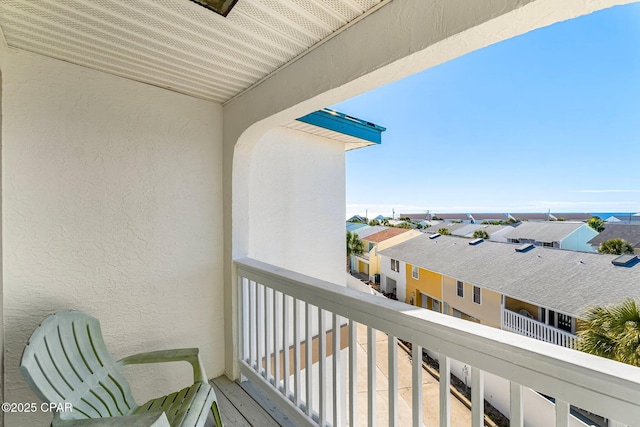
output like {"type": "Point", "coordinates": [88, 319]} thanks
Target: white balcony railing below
{"type": "Point", "coordinates": [523, 325]}
{"type": "Point", "coordinates": [297, 344]}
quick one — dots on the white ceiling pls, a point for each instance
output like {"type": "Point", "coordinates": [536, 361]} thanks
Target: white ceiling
{"type": "Point", "coordinates": [177, 44]}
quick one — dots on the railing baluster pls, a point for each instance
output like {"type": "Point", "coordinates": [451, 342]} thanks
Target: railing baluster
{"type": "Point", "coordinates": [268, 340]}
{"type": "Point", "coordinates": [477, 397]}
{"type": "Point", "coordinates": [515, 405]}
{"type": "Point", "coordinates": [416, 382]}
{"type": "Point", "coordinates": [242, 321]}
{"type": "Point", "coordinates": [253, 322]}
{"type": "Point", "coordinates": [392, 358]}
{"type": "Point", "coordinates": [337, 383]}
{"type": "Point", "coordinates": [286, 372]}
{"type": "Point", "coordinates": [445, 384]}
{"type": "Point", "coordinates": [562, 413]}
{"type": "Point", "coordinates": [296, 351]}
{"type": "Point", "coordinates": [277, 339]}
{"type": "Point", "coordinates": [322, 367]}
{"type": "Point", "coordinates": [371, 375]}
{"type": "Point", "coordinates": [309, 358]}
{"type": "Point", "coordinates": [261, 333]}
{"type": "Point", "coordinates": [353, 377]}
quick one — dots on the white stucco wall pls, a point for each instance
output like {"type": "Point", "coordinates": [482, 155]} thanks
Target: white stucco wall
{"type": "Point", "coordinates": [296, 204]}
{"type": "Point", "coordinates": [112, 204]}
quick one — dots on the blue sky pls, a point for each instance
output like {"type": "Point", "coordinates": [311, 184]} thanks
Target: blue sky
{"type": "Point", "coordinates": [546, 120]}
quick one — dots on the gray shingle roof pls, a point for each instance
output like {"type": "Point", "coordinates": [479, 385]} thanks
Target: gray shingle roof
{"type": "Point", "coordinates": [549, 231]}
{"type": "Point", "coordinates": [530, 216]}
{"type": "Point", "coordinates": [628, 232]}
{"type": "Point", "coordinates": [565, 281]}
{"type": "Point", "coordinates": [470, 228]}
{"type": "Point", "coordinates": [572, 216]}
{"type": "Point", "coordinates": [364, 232]}
{"type": "Point", "coordinates": [490, 216]}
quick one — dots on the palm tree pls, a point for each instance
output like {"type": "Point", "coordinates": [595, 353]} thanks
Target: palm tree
{"type": "Point", "coordinates": [612, 332]}
{"type": "Point", "coordinates": [616, 247]}
{"type": "Point", "coordinates": [444, 231]}
{"type": "Point", "coordinates": [481, 234]}
{"type": "Point", "coordinates": [355, 246]}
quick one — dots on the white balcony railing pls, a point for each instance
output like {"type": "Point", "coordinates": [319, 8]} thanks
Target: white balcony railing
{"type": "Point", "coordinates": [523, 325]}
{"type": "Point", "coordinates": [282, 314]}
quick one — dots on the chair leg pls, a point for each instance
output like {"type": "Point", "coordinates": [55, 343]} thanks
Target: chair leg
{"type": "Point", "coordinates": [216, 414]}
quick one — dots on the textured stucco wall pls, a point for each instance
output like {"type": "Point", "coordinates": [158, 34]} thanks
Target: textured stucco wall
{"type": "Point", "coordinates": [297, 198]}
{"type": "Point", "coordinates": [112, 204]}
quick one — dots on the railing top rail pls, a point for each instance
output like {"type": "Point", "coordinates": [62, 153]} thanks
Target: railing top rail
{"type": "Point", "coordinates": [602, 386]}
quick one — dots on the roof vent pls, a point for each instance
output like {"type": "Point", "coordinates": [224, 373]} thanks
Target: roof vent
{"type": "Point", "coordinates": [625, 260]}
{"type": "Point", "coordinates": [524, 248]}
{"type": "Point", "coordinates": [475, 242]}
{"type": "Point", "coordinates": [434, 236]}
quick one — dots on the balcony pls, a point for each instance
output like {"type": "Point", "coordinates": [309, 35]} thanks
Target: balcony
{"type": "Point", "coordinates": [283, 313]}
{"type": "Point", "coordinates": [523, 325]}
{"type": "Point", "coordinates": [132, 179]}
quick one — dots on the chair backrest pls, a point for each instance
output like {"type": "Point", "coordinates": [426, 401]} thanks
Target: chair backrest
{"type": "Point", "coordinates": [66, 360]}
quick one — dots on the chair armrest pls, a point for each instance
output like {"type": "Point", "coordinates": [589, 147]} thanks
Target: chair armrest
{"type": "Point", "coordinates": [176, 355]}
{"type": "Point", "coordinates": [155, 419]}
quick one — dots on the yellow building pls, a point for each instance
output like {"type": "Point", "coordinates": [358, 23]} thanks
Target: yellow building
{"type": "Point", "coordinates": [369, 262]}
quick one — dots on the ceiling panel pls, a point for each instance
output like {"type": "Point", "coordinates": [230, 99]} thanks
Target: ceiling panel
{"type": "Point", "coordinates": [177, 44]}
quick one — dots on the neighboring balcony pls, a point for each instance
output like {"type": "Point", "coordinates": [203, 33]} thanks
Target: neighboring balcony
{"type": "Point", "coordinates": [284, 314]}
{"type": "Point", "coordinates": [523, 325]}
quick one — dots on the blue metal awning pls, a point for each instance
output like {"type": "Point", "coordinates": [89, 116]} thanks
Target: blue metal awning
{"type": "Point", "coordinates": [344, 124]}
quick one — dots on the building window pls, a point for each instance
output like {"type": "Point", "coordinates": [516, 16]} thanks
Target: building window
{"type": "Point", "coordinates": [564, 322]}
{"type": "Point", "coordinates": [395, 265]}
{"type": "Point", "coordinates": [414, 272]}
{"type": "Point", "coordinates": [460, 289]}
{"type": "Point", "coordinates": [477, 296]}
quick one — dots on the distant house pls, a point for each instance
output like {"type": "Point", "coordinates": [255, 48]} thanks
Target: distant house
{"type": "Point", "coordinates": [451, 226]}
{"type": "Point", "coordinates": [357, 218]}
{"type": "Point", "coordinates": [353, 226]}
{"type": "Point", "coordinates": [531, 217]}
{"type": "Point", "coordinates": [571, 216]}
{"type": "Point", "coordinates": [533, 291]}
{"type": "Point", "coordinates": [416, 216]}
{"type": "Point", "coordinates": [554, 234]}
{"type": "Point", "coordinates": [628, 232]}
{"type": "Point", "coordinates": [380, 218]}
{"type": "Point", "coordinates": [625, 219]}
{"type": "Point", "coordinates": [478, 218]}
{"type": "Point", "coordinates": [453, 217]}
{"type": "Point", "coordinates": [369, 262]}
{"type": "Point", "coordinates": [363, 232]}
{"type": "Point", "coordinates": [496, 232]}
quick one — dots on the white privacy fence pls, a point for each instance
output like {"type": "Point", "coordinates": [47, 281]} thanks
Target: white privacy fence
{"type": "Point", "coordinates": [297, 344]}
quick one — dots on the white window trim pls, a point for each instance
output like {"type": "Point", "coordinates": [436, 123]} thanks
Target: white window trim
{"type": "Point", "coordinates": [458, 282]}
{"type": "Point", "coordinates": [415, 273]}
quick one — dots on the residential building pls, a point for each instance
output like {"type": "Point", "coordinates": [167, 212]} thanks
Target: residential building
{"type": "Point", "coordinates": [369, 262]}
{"type": "Point", "coordinates": [628, 232]}
{"type": "Point", "coordinates": [571, 216]}
{"type": "Point", "coordinates": [529, 217]}
{"type": "Point", "coordinates": [568, 235]}
{"type": "Point", "coordinates": [155, 175]}
{"type": "Point", "coordinates": [531, 290]}
{"type": "Point", "coordinates": [478, 218]}
{"type": "Point", "coordinates": [625, 219]}
{"type": "Point", "coordinates": [354, 226]}
{"type": "Point", "coordinates": [496, 232]}
{"type": "Point", "coordinates": [454, 217]}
